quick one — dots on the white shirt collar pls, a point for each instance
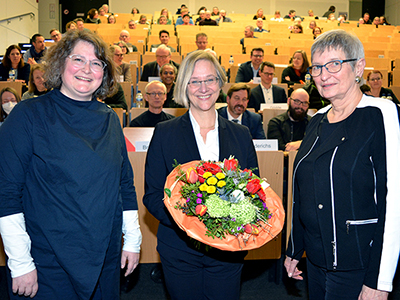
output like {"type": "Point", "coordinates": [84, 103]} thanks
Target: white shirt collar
{"type": "Point", "coordinates": [230, 117]}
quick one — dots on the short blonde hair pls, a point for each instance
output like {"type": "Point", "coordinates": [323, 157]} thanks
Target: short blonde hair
{"type": "Point", "coordinates": [185, 73]}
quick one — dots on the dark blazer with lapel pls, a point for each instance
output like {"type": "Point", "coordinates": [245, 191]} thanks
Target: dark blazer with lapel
{"type": "Point", "coordinates": [174, 139]}
{"type": "Point", "coordinates": [257, 96]}
{"type": "Point", "coordinates": [250, 120]}
{"type": "Point", "coordinates": [245, 73]}
{"type": "Point", "coordinates": [151, 70]}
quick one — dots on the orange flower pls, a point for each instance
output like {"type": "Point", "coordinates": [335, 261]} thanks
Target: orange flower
{"type": "Point", "coordinates": [201, 209]}
{"type": "Point", "coordinates": [191, 175]}
{"type": "Point", "coordinates": [252, 229]}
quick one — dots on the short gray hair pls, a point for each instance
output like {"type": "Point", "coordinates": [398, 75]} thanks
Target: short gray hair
{"type": "Point", "coordinates": [339, 40]}
{"type": "Point", "coordinates": [185, 73]}
{"type": "Point", "coordinates": [157, 83]}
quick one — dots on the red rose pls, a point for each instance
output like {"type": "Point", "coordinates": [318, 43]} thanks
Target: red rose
{"type": "Point", "coordinates": [200, 171]}
{"type": "Point", "coordinates": [210, 167]}
{"type": "Point", "coordinates": [253, 186]}
{"type": "Point", "coordinates": [248, 171]}
{"type": "Point", "coordinates": [252, 229]}
{"type": "Point", "coordinates": [230, 164]}
{"type": "Point", "coordinates": [201, 209]}
{"type": "Point", "coordinates": [261, 194]}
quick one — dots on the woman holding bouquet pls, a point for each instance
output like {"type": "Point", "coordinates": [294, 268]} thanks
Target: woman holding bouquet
{"type": "Point", "coordinates": [200, 134]}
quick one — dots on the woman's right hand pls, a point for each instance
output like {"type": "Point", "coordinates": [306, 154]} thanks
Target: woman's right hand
{"type": "Point", "coordinates": [26, 284]}
{"type": "Point", "coordinates": [291, 268]}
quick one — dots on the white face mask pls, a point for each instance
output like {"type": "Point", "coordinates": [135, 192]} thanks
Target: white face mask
{"type": "Point", "coordinates": [7, 107]}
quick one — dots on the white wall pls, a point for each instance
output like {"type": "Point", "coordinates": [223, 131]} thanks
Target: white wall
{"type": "Point", "coordinates": [17, 30]}
{"type": "Point", "coordinates": [392, 11]}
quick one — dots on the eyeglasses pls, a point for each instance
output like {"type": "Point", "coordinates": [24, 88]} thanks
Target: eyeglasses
{"type": "Point", "coordinates": [168, 73]}
{"type": "Point", "coordinates": [78, 61]}
{"type": "Point", "coordinates": [375, 79]}
{"type": "Point", "coordinates": [333, 66]}
{"type": "Point", "coordinates": [298, 102]}
{"type": "Point", "coordinates": [207, 82]}
{"type": "Point", "coordinates": [268, 74]}
{"type": "Point", "coordinates": [156, 94]}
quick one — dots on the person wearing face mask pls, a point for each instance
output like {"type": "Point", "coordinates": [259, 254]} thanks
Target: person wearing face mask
{"type": "Point", "coordinates": [297, 70]}
{"type": "Point", "coordinates": [9, 98]}
{"type": "Point", "coordinates": [36, 83]}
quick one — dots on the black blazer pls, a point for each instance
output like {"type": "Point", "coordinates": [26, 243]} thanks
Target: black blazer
{"type": "Point", "coordinates": [151, 70]}
{"type": "Point", "coordinates": [23, 73]}
{"type": "Point", "coordinates": [250, 120]}
{"type": "Point", "coordinates": [245, 73]}
{"type": "Point", "coordinates": [257, 96]}
{"type": "Point", "coordinates": [174, 139]}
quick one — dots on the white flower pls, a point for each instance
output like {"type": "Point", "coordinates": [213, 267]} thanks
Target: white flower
{"type": "Point", "coordinates": [236, 196]}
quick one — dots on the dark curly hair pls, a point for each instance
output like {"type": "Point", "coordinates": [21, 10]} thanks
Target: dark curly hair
{"type": "Point", "coordinates": [56, 56]}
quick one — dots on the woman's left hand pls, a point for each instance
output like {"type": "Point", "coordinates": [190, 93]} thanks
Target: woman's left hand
{"type": "Point", "coordinates": [132, 259]}
{"type": "Point", "coordinates": [371, 294]}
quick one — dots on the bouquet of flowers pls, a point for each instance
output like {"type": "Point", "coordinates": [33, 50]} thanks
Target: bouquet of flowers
{"type": "Point", "coordinates": [222, 206]}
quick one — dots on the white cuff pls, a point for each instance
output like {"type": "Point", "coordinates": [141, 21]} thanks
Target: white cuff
{"type": "Point", "coordinates": [17, 244]}
{"type": "Point", "coordinates": [131, 231]}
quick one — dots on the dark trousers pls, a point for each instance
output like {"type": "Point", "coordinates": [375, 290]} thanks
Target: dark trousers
{"type": "Point", "coordinates": [199, 277]}
{"type": "Point", "coordinates": [333, 285]}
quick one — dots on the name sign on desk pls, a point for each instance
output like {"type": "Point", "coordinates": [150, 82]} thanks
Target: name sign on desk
{"type": "Point", "coordinates": [142, 146]}
{"type": "Point", "coordinates": [256, 80]}
{"type": "Point", "coordinates": [266, 145]}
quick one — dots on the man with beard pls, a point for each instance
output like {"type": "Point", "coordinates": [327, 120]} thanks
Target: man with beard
{"type": "Point", "coordinates": [289, 127]}
{"type": "Point", "coordinates": [34, 55]}
{"type": "Point", "coordinates": [237, 99]}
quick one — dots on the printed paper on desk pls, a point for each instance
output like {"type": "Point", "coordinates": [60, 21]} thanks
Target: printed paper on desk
{"type": "Point", "coordinates": [133, 62]}
{"type": "Point", "coordinates": [152, 78]}
{"type": "Point", "coordinates": [275, 80]}
{"type": "Point", "coordinates": [273, 106]}
{"type": "Point", "coordinates": [266, 145]}
{"type": "Point", "coordinates": [142, 146]}
{"type": "Point", "coordinates": [256, 80]}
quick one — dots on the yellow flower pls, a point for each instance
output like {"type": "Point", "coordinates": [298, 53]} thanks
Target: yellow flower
{"type": "Point", "coordinates": [212, 181]}
{"type": "Point", "coordinates": [211, 189]}
{"type": "Point", "coordinates": [220, 175]}
{"type": "Point", "coordinates": [207, 174]}
{"type": "Point", "coordinates": [221, 183]}
{"type": "Point", "coordinates": [203, 187]}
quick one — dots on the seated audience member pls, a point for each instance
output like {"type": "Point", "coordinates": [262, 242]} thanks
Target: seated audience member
{"type": "Point", "coordinates": [236, 110]}
{"type": "Point", "coordinates": [316, 32]}
{"type": "Point", "coordinates": [266, 92]}
{"type": "Point", "coordinates": [201, 41]}
{"type": "Point", "coordinates": [383, 20]}
{"type": "Point", "coordinates": [312, 25]}
{"type": "Point", "coordinates": [168, 73]}
{"type": "Point", "coordinates": [162, 20]}
{"type": "Point", "coordinates": [179, 10]}
{"type": "Point", "coordinates": [164, 12]}
{"type": "Point", "coordinates": [111, 19]}
{"type": "Point", "coordinates": [248, 70]}
{"type": "Point", "coordinates": [34, 55]}
{"type": "Point", "coordinates": [164, 39]}
{"type": "Point", "coordinates": [36, 83]}
{"type": "Point", "coordinates": [102, 12]}
{"type": "Point", "coordinates": [366, 89]}
{"type": "Point", "coordinates": [135, 11]}
{"type": "Point", "coordinates": [374, 80]}
{"type": "Point", "coordinates": [259, 14]}
{"type": "Point", "coordinates": [248, 34]}
{"type": "Point", "coordinates": [116, 100]}
{"type": "Point", "coordinates": [155, 95]}
{"type": "Point", "coordinates": [311, 13]}
{"type": "Point", "coordinates": [331, 10]}
{"type": "Point", "coordinates": [93, 17]}
{"type": "Point", "coordinates": [215, 11]}
{"type": "Point", "coordinates": [260, 24]}
{"type": "Point", "coordinates": [55, 35]}
{"type": "Point", "coordinates": [186, 20]}
{"type": "Point", "coordinates": [71, 25]}
{"type": "Point", "coordinates": [331, 17]}
{"type": "Point", "coordinates": [106, 9]}
{"type": "Point", "coordinates": [123, 70]}
{"type": "Point", "coordinates": [184, 12]}
{"type": "Point", "coordinates": [143, 20]}
{"type": "Point", "coordinates": [9, 98]}
{"type": "Point", "coordinates": [315, 98]}
{"type": "Point", "coordinates": [125, 36]}
{"type": "Point", "coordinates": [80, 24]}
{"type": "Point", "coordinates": [291, 15]}
{"type": "Point", "coordinates": [13, 60]}
{"type": "Point", "coordinates": [277, 17]}
{"type": "Point", "coordinates": [297, 70]}
{"type": "Point", "coordinates": [376, 21]}
{"type": "Point", "coordinates": [360, 21]}
{"type": "Point", "coordinates": [289, 128]}
{"type": "Point", "coordinates": [123, 46]}
{"type": "Point", "coordinates": [342, 19]}
{"type": "Point", "coordinates": [297, 29]}
{"type": "Point", "coordinates": [208, 21]}
{"type": "Point", "coordinates": [223, 17]}
{"type": "Point", "coordinates": [202, 16]}
{"type": "Point", "coordinates": [132, 24]}
{"type": "Point", "coordinates": [367, 19]}
{"type": "Point", "coordinates": [152, 69]}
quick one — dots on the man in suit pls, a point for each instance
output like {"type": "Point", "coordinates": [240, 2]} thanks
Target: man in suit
{"type": "Point", "coordinates": [152, 69]}
{"type": "Point", "coordinates": [289, 128]}
{"type": "Point", "coordinates": [265, 92]}
{"type": "Point", "coordinates": [237, 99]}
{"type": "Point", "coordinates": [248, 70]}
{"type": "Point", "coordinates": [125, 36]}
{"type": "Point", "coordinates": [164, 39]}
